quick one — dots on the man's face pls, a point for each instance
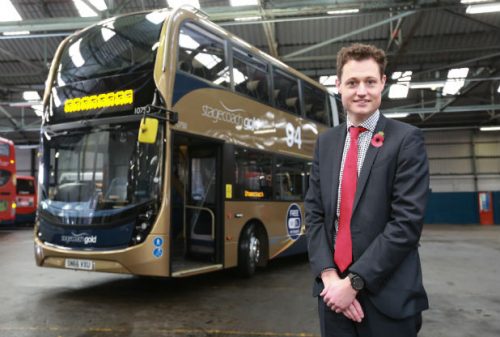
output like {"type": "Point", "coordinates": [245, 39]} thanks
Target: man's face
{"type": "Point", "coordinates": [361, 88]}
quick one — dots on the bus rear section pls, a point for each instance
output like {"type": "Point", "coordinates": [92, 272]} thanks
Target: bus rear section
{"type": "Point", "coordinates": [26, 200]}
{"type": "Point", "coordinates": [7, 182]}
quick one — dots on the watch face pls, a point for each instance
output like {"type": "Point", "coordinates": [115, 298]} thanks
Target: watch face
{"type": "Point", "coordinates": [357, 282]}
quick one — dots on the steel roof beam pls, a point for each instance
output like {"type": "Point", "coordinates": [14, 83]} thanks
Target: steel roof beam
{"type": "Point", "coordinates": [60, 24]}
{"type": "Point", "coordinates": [448, 109]}
{"type": "Point", "coordinates": [343, 37]}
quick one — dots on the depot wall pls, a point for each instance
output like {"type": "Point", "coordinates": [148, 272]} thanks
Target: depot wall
{"type": "Point", "coordinates": [462, 163]}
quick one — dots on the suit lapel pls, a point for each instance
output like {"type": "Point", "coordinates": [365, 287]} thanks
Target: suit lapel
{"type": "Point", "coordinates": [338, 148]}
{"type": "Point", "coordinates": [371, 154]}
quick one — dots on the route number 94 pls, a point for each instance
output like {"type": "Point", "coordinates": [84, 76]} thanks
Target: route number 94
{"type": "Point", "coordinates": [293, 135]}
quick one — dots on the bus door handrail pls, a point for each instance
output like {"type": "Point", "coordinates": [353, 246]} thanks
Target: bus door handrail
{"type": "Point", "coordinates": [211, 214]}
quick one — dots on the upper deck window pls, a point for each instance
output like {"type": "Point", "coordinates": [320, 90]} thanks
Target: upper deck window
{"type": "Point", "coordinates": [250, 76]}
{"type": "Point", "coordinates": [315, 104]}
{"type": "Point", "coordinates": [202, 54]}
{"type": "Point", "coordinates": [4, 150]}
{"type": "Point", "coordinates": [125, 44]}
{"type": "Point", "coordinates": [286, 92]}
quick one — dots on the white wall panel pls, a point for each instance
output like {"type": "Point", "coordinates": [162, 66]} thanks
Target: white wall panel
{"type": "Point", "coordinates": [487, 149]}
{"type": "Point", "coordinates": [449, 150]}
{"type": "Point", "coordinates": [23, 161]}
{"type": "Point", "coordinates": [456, 158]}
{"type": "Point", "coordinates": [452, 183]}
{"type": "Point", "coordinates": [450, 166]}
{"type": "Point", "coordinates": [488, 165]}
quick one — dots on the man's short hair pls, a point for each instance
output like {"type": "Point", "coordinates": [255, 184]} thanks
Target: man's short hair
{"type": "Point", "coordinates": [361, 52]}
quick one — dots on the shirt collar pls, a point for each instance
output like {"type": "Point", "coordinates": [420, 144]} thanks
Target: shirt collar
{"type": "Point", "coordinates": [370, 123]}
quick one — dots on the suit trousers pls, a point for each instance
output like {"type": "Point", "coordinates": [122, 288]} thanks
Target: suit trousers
{"type": "Point", "coordinates": [374, 324]}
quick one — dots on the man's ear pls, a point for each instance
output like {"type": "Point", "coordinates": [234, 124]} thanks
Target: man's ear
{"type": "Point", "coordinates": [384, 78]}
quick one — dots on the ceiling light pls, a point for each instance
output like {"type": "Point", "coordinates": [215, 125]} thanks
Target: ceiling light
{"type": "Point", "coordinates": [9, 12]}
{"type": "Point", "coordinates": [402, 76]}
{"type": "Point", "coordinates": [483, 8]}
{"type": "Point", "coordinates": [458, 73]}
{"type": "Point", "coordinates": [433, 85]}
{"type": "Point", "coordinates": [20, 32]}
{"type": "Point", "coordinates": [178, 3]}
{"type": "Point", "coordinates": [498, 90]}
{"type": "Point", "coordinates": [85, 11]}
{"type": "Point", "coordinates": [396, 114]}
{"type": "Point", "coordinates": [472, 1]}
{"type": "Point", "coordinates": [31, 95]}
{"type": "Point", "coordinates": [455, 81]}
{"type": "Point", "coordinates": [395, 75]}
{"type": "Point", "coordinates": [399, 90]}
{"type": "Point", "coordinates": [489, 128]}
{"type": "Point", "coordinates": [343, 11]}
{"type": "Point", "coordinates": [329, 80]}
{"type": "Point", "coordinates": [452, 87]}
{"type": "Point", "coordinates": [248, 18]}
{"type": "Point", "coordinates": [236, 3]}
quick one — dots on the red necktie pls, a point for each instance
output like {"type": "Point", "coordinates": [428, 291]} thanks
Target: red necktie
{"type": "Point", "coordinates": [343, 243]}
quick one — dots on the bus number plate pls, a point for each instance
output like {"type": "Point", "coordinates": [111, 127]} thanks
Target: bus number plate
{"type": "Point", "coordinates": [79, 264]}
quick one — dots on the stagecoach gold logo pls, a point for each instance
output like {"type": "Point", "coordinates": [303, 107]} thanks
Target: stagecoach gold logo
{"type": "Point", "coordinates": [84, 238]}
{"type": "Point", "coordinates": [233, 116]}
{"type": "Point", "coordinates": [93, 102]}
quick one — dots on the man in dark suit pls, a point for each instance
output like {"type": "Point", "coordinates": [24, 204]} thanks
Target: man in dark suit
{"type": "Point", "coordinates": [364, 211]}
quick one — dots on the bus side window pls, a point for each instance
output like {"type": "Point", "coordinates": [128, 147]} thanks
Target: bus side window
{"type": "Point", "coordinates": [289, 179]}
{"type": "Point", "coordinates": [250, 76]}
{"type": "Point", "coordinates": [286, 93]}
{"type": "Point", "coordinates": [253, 177]}
{"type": "Point", "coordinates": [314, 103]}
{"type": "Point", "coordinates": [202, 54]}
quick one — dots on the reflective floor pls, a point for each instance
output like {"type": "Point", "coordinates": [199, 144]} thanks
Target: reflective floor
{"type": "Point", "coordinates": [461, 271]}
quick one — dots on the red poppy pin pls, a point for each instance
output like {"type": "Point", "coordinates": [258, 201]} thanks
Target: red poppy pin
{"type": "Point", "coordinates": [378, 139]}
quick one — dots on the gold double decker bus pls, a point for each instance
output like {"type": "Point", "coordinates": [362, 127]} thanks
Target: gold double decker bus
{"type": "Point", "coordinates": [170, 147]}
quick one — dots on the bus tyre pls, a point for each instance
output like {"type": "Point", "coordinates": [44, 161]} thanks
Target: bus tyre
{"type": "Point", "coordinates": [250, 250]}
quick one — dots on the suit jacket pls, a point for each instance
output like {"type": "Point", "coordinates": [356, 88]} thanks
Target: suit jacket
{"type": "Point", "coordinates": [387, 217]}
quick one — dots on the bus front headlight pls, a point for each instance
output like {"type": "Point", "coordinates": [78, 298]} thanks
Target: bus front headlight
{"type": "Point", "coordinates": [143, 225]}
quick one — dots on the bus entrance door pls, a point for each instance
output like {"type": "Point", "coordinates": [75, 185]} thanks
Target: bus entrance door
{"type": "Point", "coordinates": [197, 167]}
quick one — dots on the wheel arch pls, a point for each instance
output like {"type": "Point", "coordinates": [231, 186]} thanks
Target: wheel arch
{"type": "Point", "coordinates": [263, 235]}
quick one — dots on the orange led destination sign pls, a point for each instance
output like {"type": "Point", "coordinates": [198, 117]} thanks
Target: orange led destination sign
{"type": "Point", "coordinates": [93, 102]}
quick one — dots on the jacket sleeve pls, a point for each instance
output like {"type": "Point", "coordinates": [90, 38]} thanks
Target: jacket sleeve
{"type": "Point", "coordinates": [402, 231]}
{"type": "Point", "coordinates": [319, 247]}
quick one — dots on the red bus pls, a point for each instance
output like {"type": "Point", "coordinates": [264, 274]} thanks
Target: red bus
{"type": "Point", "coordinates": [26, 200]}
{"type": "Point", "coordinates": [7, 182]}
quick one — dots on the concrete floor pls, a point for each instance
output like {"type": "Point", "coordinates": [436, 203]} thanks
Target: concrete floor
{"type": "Point", "coordinates": [461, 272]}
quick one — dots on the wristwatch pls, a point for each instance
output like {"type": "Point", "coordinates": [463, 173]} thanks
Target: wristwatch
{"type": "Point", "coordinates": [357, 282]}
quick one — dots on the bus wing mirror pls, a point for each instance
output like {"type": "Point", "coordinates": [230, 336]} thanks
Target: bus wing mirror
{"type": "Point", "coordinates": [148, 130]}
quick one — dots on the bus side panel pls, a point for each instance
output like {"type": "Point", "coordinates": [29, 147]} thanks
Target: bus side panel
{"type": "Point", "coordinates": [283, 221]}
{"type": "Point", "coordinates": [237, 119]}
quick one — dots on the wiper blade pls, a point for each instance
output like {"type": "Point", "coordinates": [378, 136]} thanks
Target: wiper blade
{"type": "Point", "coordinates": [63, 128]}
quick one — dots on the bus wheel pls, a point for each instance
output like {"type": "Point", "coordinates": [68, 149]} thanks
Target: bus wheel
{"type": "Point", "coordinates": [250, 250]}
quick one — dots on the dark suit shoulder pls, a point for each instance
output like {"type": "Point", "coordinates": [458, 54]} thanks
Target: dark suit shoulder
{"type": "Point", "coordinates": [328, 134]}
{"type": "Point", "coordinates": [395, 127]}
